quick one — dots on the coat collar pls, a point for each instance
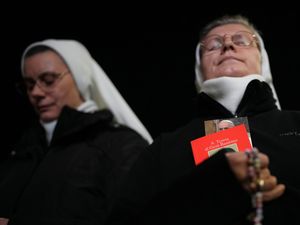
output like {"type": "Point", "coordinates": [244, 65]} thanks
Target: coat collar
{"type": "Point", "coordinates": [72, 121]}
{"type": "Point", "coordinates": [258, 98]}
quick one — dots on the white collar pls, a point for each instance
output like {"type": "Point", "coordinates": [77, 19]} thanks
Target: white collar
{"type": "Point", "coordinates": [228, 91]}
{"type": "Point", "coordinates": [49, 129]}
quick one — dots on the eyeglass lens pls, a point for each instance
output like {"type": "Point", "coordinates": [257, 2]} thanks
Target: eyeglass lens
{"type": "Point", "coordinates": [215, 42]}
{"type": "Point", "coordinates": [45, 80]}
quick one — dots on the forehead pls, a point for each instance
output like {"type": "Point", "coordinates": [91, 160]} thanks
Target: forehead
{"type": "Point", "coordinates": [47, 57]}
{"type": "Point", "coordinates": [228, 29]}
{"type": "Point", "coordinates": [44, 61]}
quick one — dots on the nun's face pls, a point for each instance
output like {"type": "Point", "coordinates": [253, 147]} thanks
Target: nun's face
{"type": "Point", "coordinates": [50, 85]}
{"type": "Point", "coordinates": [227, 53]}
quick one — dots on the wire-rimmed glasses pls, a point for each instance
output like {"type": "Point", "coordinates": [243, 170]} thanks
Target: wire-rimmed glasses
{"type": "Point", "coordinates": [46, 81]}
{"type": "Point", "coordinates": [242, 39]}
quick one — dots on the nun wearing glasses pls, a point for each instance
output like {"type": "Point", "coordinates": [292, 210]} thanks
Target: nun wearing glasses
{"type": "Point", "coordinates": [67, 166]}
{"type": "Point", "coordinates": [259, 186]}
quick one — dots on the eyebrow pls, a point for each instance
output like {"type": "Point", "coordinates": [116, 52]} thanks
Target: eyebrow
{"type": "Point", "coordinates": [229, 33]}
{"type": "Point", "coordinates": [40, 74]}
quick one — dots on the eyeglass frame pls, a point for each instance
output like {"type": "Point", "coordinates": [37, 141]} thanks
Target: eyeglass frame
{"type": "Point", "coordinates": [42, 83]}
{"type": "Point", "coordinates": [222, 38]}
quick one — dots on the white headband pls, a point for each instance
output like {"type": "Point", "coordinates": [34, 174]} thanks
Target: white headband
{"type": "Point", "coordinates": [92, 82]}
{"type": "Point", "coordinates": [265, 69]}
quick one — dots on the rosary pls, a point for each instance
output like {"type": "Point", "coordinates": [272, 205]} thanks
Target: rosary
{"type": "Point", "coordinates": [256, 185]}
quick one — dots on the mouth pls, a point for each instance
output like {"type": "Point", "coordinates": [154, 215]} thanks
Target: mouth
{"type": "Point", "coordinates": [43, 108]}
{"type": "Point", "coordinates": [229, 59]}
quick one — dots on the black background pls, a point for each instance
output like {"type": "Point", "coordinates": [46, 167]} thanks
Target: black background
{"type": "Point", "coordinates": [149, 56]}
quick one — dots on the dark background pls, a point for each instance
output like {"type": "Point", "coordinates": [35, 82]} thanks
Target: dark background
{"type": "Point", "coordinates": [149, 56]}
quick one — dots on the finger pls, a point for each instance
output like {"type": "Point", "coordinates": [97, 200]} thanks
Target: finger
{"type": "Point", "coordinates": [274, 193]}
{"type": "Point", "coordinates": [269, 183]}
{"type": "Point", "coordinates": [264, 160]}
{"type": "Point", "coordinates": [238, 164]}
{"type": "Point", "coordinates": [265, 173]}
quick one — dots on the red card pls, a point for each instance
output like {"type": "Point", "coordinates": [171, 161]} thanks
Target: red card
{"type": "Point", "coordinates": [235, 138]}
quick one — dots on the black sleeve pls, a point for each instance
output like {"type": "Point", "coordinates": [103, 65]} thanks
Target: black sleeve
{"type": "Point", "coordinates": [125, 147]}
{"type": "Point", "coordinates": [210, 194]}
{"type": "Point", "coordinates": [17, 173]}
{"type": "Point", "coordinates": [284, 210]}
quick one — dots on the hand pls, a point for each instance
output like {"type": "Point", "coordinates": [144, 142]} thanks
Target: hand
{"type": "Point", "coordinates": [238, 162]}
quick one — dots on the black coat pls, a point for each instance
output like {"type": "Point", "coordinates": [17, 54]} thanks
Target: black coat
{"type": "Point", "coordinates": [165, 186]}
{"type": "Point", "coordinates": [73, 180]}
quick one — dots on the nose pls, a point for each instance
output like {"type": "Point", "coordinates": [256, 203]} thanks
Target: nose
{"type": "Point", "coordinates": [227, 43]}
{"type": "Point", "coordinates": [36, 91]}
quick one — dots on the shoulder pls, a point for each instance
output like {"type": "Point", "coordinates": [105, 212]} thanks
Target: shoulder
{"type": "Point", "coordinates": [117, 138]}
{"type": "Point", "coordinates": [121, 134]}
{"type": "Point", "coordinates": [177, 143]}
{"type": "Point", "coordinates": [288, 119]}
{"type": "Point", "coordinates": [190, 131]}
{"type": "Point", "coordinates": [282, 117]}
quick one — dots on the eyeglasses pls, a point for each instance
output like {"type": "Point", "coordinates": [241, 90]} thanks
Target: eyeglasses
{"type": "Point", "coordinates": [215, 42]}
{"type": "Point", "coordinates": [46, 81]}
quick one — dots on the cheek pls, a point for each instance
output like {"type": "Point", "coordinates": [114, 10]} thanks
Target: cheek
{"type": "Point", "coordinates": [59, 98]}
{"type": "Point", "coordinates": [204, 65]}
{"type": "Point", "coordinates": [207, 68]}
{"type": "Point", "coordinates": [65, 97]}
{"type": "Point", "coordinates": [31, 99]}
{"type": "Point", "coordinates": [255, 65]}
{"type": "Point", "coordinates": [254, 60]}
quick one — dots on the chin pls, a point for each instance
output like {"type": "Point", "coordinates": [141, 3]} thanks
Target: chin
{"type": "Point", "coordinates": [48, 117]}
{"type": "Point", "coordinates": [234, 75]}
{"type": "Point", "coordinates": [233, 71]}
